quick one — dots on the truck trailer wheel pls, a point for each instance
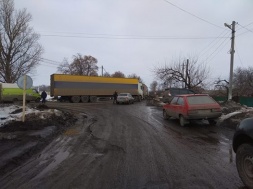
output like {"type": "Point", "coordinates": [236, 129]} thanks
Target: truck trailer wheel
{"type": "Point", "coordinates": [93, 98]}
{"type": "Point", "coordinates": [85, 99]}
{"type": "Point", "coordinates": [75, 99]}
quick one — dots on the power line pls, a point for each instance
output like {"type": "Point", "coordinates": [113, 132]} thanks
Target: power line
{"type": "Point", "coordinates": [205, 50]}
{"type": "Point", "coordinates": [52, 62]}
{"type": "Point", "coordinates": [246, 28]}
{"type": "Point", "coordinates": [238, 55]}
{"type": "Point", "coordinates": [193, 14]}
{"type": "Point", "coordinates": [48, 64]}
{"type": "Point", "coordinates": [210, 57]}
{"type": "Point", "coordinates": [130, 37]}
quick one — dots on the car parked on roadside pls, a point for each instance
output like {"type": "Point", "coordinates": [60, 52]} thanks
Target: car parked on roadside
{"type": "Point", "coordinates": [192, 107]}
{"type": "Point", "coordinates": [125, 98]}
{"type": "Point", "coordinates": [243, 147]}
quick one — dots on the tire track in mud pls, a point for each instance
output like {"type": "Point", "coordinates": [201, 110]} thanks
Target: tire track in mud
{"type": "Point", "coordinates": [95, 151]}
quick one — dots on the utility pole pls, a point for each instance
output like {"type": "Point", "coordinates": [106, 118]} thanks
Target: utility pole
{"type": "Point", "coordinates": [232, 51]}
{"type": "Point", "coordinates": [183, 84]}
{"type": "Point", "coordinates": [102, 71]}
{"type": "Point", "coordinates": [186, 73]}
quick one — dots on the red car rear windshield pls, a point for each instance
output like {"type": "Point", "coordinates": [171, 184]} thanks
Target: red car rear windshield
{"type": "Point", "coordinates": [200, 100]}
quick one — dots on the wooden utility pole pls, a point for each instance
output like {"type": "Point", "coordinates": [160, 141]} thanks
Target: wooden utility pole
{"type": "Point", "coordinates": [186, 73]}
{"type": "Point", "coordinates": [183, 82]}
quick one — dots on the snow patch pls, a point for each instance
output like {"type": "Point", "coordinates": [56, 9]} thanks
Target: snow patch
{"type": "Point", "coordinates": [6, 115]}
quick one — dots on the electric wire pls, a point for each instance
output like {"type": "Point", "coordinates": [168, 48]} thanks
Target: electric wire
{"type": "Point", "coordinates": [193, 14]}
{"type": "Point", "coordinates": [237, 53]}
{"type": "Point", "coordinates": [52, 62]}
{"type": "Point", "coordinates": [130, 37]}
{"type": "Point", "coordinates": [244, 27]}
{"type": "Point", "coordinates": [210, 57]}
{"type": "Point", "coordinates": [47, 64]}
{"type": "Point", "coordinates": [214, 42]}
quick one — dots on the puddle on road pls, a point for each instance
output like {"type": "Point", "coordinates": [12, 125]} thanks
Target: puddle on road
{"type": "Point", "coordinates": [71, 132]}
{"type": "Point", "coordinates": [208, 139]}
{"type": "Point", "coordinates": [227, 149]}
{"type": "Point", "coordinates": [57, 159]}
{"type": "Point", "coordinates": [47, 131]}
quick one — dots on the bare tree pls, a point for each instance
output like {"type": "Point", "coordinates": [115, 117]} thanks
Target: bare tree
{"type": "Point", "coordinates": [182, 73]}
{"type": "Point", "coordinates": [135, 76]}
{"type": "Point", "coordinates": [221, 86]}
{"type": "Point", "coordinates": [153, 86]}
{"type": "Point", "coordinates": [86, 65]}
{"type": "Point", "coordinates": [20, 51]}
{"type": "Point", "coordinates": [107, 74]}
{"type": "Point", "coordinates": [65, 67]}
{"type": "Point", "coordinates": [243, 81]}
{"type": "Point", "coordinates": [118, 74]}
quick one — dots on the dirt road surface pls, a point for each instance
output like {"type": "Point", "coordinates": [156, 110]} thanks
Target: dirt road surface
{"type": "Point", "coordinates": [130, 147]}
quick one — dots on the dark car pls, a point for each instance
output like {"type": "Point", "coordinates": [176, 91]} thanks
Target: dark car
{"type": "Point", "coordinates": [243, 147]}
{"type": "Point", "coordinates": [192, 107]}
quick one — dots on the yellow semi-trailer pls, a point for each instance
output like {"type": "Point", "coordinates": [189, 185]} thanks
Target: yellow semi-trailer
{"type": "Point", "coordinates": [78, 88]}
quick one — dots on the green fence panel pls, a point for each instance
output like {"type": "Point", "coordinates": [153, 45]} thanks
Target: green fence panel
{"type": "Point", "coordinates": [219, 98]}
{"type": "Point", "coordinates": [248, 101]}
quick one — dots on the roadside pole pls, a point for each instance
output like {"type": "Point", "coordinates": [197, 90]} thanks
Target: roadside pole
{"type": "Point", "coordinates": [24, 82]}
{"type": "Point", "coordinates": [24, 99]}
{"type": "Point", "coordinates": [232, 51]}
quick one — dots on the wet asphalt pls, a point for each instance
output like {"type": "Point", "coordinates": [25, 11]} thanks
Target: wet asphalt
{"type": "Point", "coordinates": [130, 147]}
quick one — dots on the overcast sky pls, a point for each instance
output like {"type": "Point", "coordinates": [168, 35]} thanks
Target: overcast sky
{"type": "Point", "coordinates": [133, 36]}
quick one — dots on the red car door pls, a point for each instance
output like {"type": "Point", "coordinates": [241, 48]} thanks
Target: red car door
{"type": "Point", "coordinates": [179, 107]}
{"type": "Point", "coordinates": [171, 111]}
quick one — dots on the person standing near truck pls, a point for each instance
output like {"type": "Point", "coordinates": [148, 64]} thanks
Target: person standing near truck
{"type": "Point", "coordinates": [43, 96]}
{"type": "Point", "coordinates": [115, 95]}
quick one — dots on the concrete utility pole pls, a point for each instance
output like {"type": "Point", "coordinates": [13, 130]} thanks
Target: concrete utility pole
{"type": "Point", "coordinates": [232, 51]}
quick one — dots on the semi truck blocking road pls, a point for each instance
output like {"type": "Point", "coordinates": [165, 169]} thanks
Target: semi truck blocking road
{"type": "Point", "coordinates": [10, 92]}
{"type": "Point", "coordinates": [76, 88]}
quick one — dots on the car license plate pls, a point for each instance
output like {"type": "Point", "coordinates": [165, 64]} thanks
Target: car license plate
{"type": "Point", "coordinates": [204, 111]}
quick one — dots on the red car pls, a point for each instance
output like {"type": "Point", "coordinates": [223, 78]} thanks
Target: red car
{"type": "Point", "coordinates": [192, 107]}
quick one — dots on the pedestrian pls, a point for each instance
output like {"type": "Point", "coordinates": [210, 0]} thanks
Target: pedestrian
{"type": "Point", "coordinates": [115, 95]}
{"type": "Point", "coordinates": [43, 96]}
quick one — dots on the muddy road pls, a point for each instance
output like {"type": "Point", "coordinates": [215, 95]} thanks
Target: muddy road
{"type": "Point", "coordinates": [130, 147]}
